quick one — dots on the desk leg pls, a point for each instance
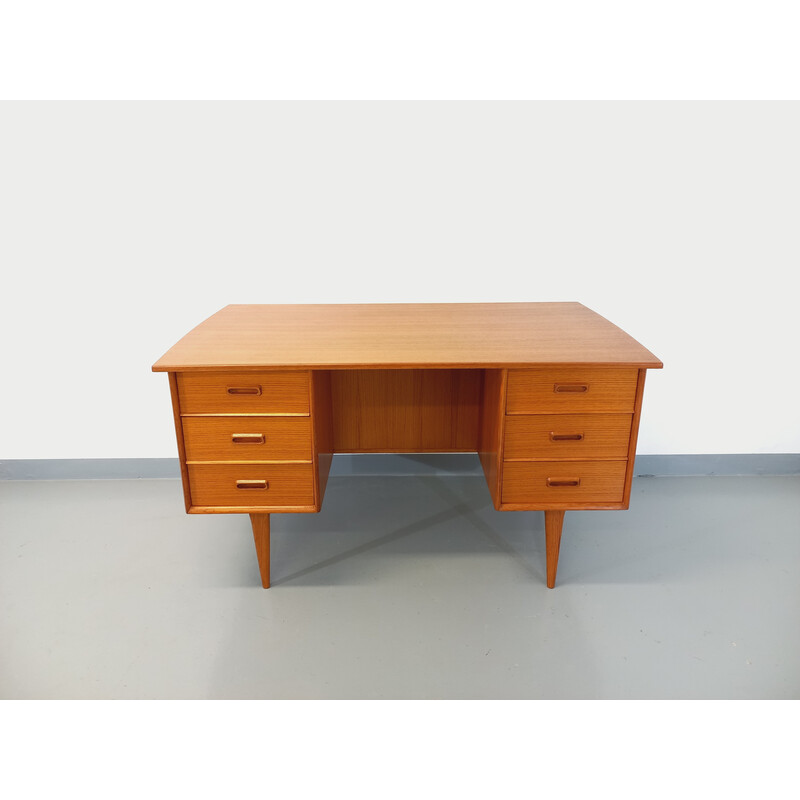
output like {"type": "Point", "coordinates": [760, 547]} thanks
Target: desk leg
{"type": "Point", "coordinates": [553, 522]}
{"type": "Point", "coordinates": [260, 524]}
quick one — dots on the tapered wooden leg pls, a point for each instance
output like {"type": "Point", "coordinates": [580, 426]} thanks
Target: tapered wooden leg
{"type": "Point", "coordinates": [553, 522]}
{"type": "Point", "coordinates": [260, 524]}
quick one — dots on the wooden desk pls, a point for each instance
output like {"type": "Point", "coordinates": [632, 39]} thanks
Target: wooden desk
{"type": "Point", "coordinates": [548, 394]}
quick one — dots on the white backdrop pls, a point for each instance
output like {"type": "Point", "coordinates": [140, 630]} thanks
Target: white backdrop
{"type": "Point", "coordinates": [123, 225]}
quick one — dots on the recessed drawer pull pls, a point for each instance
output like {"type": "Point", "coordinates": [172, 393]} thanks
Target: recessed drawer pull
{"type": "Point", "coordinates": [565, 437]}
{"type": "Point", "coordinates": [244, 390]}
{"type": "Point", "coordinates": [252, 485]}
{"type": "Point", "coordinates": [248, 438]}
{"type": "Point", "coordinates": [572, 388]}
{"type": "Point", "coordinates": [563, 481]}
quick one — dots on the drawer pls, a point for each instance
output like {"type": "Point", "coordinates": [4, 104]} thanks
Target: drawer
{"type": "Point", "coordinates": [243, 392]}
{"type": "Point", "coordinates": [554, 436]}
{"type": "Point", "coordinates": [247, 438]}
{"type": "Point", "coordinates": [251, 485]}
{"type": "Point", "coordinates": [564, 389]}
{"type": "Point", "coordinates": [545, 482]}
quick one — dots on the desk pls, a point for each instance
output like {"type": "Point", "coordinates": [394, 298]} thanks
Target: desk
{"type": "Point", "coordinates": [548, 394]}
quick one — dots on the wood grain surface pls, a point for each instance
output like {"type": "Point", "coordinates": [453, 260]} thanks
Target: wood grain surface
{"type": "Point", "coordinates": [492, 421]}
{"type": "Point", "coordinates": [287, 485]}
{"type": "Point", "coordinates": [176, 414]}
{"type": "Point", "coordinates": [546, 436]}
{"type": "Point", "coordinates": [261, 337]}
{"type": "Point", "coordinates": [260, 523]}
{"type": "Point", "coordinates": [214, 438]}
{"type": "Point", "coordinates": [322, 431]}
{"type": "Point", "coordinates": [272, 393]}
{"type": "Point", "coordinates": [637, 413]}
{"type": "Point", "coordinates": [553, 525]}
{"type": "Point", "coordinates": [536, 391]}
{"type": "Point", "coordinates": [526, 482]}
{"type": "Point", "coordinates": [405, 411]}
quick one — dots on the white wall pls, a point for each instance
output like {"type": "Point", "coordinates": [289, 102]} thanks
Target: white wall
{"type": "Point", "coordinates": [122, 225]}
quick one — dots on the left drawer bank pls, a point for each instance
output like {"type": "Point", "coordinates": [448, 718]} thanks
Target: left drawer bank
{"type": "Point", "coordinates": [249, 442]}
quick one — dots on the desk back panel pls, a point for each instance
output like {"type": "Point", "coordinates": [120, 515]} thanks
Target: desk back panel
{"type": "Point", "coordinates": [406, 410]}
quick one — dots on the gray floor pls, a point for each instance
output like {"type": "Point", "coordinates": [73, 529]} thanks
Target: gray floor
{"type": "Point", "coordinates": [403, 587]}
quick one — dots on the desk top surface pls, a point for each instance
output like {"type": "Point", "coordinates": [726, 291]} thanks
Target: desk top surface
{"type": "Point", "coordinates": [448, 335]}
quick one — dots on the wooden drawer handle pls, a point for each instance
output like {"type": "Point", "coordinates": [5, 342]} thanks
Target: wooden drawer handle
{"type": "Point", "coordinates": [563, 481]}
{"type": "Point", "coordinates": [248, 438]}
{"type": "Point", "coordinates": [565, 437]}
{"type": "Point", "coordinates": [244, 390]}
{"type": "Point", "coordinates": [252, 485]}
{"type": "Point", "coordinates": [574, 388]}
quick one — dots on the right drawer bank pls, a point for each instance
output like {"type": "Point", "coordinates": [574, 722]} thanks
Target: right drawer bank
{"type": "Point", "coordinates": [567, 435]}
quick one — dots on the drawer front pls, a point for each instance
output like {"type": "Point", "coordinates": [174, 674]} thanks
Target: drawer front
{"type": "Point", "coordinates": [554, 436]}
{"type": "Point", "coordinates": [268, 485]}
{"type": "Point", "coordinates": [546, 482]}
{"type": "Point", "coordinates": [565, 389]}
{"type": "Point", "coordinates": [243, 392]}
{"type": "Point", "coordinates": [247, 438]}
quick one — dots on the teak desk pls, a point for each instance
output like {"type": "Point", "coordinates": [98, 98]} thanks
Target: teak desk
{"type": "Point", "coordinates": [548, 394]}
